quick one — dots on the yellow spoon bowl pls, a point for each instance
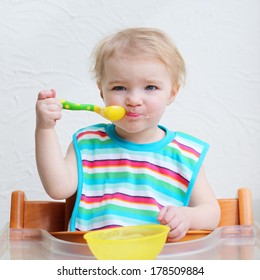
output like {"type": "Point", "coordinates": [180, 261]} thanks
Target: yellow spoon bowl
{"type": "Point", "coordinates": [142, 242]}
{"type": "Point", "coordinates": [112, 113]}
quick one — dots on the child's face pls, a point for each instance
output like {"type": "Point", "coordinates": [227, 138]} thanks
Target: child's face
{"type": "Point", "coordinates": [143, 86]}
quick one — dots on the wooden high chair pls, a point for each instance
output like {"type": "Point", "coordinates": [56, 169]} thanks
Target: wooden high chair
{"type": "Point", "coordinates": [54, 216]}
{"type": "Point", "coordinates": [237, 211]}
{"type": "Point", "coordinates": [48, 215]}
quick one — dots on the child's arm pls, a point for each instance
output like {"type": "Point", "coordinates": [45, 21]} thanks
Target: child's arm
{"type": "Point", "coordinates": [203, 211]}
{"type": "Point", "coordinates": [58, 174]}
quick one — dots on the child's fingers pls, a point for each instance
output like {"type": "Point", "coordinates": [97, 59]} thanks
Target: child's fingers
{"type": "Point", "coordinates": [161, 214]}
{"type": "Point", "coordinates": [175, 236]}
{"type": "Point", "coordinates": [53, 93]}
{"type": "Point", "coordinates": [44, 94]}
{"type": "Point", "coordinates": [166, 214]}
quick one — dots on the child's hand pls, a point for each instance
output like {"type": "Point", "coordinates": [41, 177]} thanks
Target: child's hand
{"type": "Point", "coordinates": [48, 109]}
{"type": "Point", "coordinates": [175, 218]}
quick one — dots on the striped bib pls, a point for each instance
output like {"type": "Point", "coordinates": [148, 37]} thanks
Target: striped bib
{"type": "Point", "coordinates": [122, 183]}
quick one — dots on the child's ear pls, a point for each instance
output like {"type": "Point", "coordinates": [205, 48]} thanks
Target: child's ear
{"type": "Point", "coordinates": [174, 92]}
{"type": "Point", "coordinates": [100, 90]}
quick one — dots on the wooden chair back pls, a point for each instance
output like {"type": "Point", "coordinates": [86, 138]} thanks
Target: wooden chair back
{"type": "Point", "coordinates": [237, 211]}
{"type": "Point", "coordinates": [48, 215]}
{"type": "Point", "coordinates": [54, 216]}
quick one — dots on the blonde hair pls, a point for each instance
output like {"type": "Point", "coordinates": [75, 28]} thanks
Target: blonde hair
{"type": "Point", "coordinates": [149, 42]}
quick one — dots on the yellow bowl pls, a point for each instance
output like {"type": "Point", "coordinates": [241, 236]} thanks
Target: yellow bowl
{"type": "Point", "coordinates": [143, 242]}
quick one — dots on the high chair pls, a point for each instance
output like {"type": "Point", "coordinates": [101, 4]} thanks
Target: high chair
{"type": "Point", "coordinates": [54, 216]}
{"type": "Point", "coordinates": [48, 215]}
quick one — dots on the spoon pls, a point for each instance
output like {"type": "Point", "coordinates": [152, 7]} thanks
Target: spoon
{"type": "Point", "coordinates": [112, 113]}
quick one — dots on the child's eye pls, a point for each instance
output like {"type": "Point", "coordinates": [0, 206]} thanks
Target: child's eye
{"type": "Point", "coordinates": [118, 88]}
{"type": "Point", "coordinates": [151, 87]}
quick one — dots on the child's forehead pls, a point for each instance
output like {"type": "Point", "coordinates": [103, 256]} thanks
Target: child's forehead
{"type": "Point", "coordinates": [125, 55]}
{"type": "Point", "coordinates": [123, 68]}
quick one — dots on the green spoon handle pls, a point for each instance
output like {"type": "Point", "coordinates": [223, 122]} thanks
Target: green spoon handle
{"type": "Point", "coordinates": [67, 105]}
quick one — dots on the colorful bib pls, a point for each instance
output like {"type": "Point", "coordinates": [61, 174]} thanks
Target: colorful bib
{"type": "Point", "coordinates": [121, 183]}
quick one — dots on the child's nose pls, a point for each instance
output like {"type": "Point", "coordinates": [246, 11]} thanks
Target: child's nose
{"type": "Point", "coordinates": [134, 98]}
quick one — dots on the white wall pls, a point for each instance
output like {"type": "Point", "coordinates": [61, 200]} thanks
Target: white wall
{"type": "Point", "coordinates": [46, 44]}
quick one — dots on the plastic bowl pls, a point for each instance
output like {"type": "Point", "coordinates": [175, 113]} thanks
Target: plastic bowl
{"type": "Point", "coordinates": [143, 242]}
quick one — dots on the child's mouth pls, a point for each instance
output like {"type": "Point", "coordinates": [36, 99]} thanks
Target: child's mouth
{"type": "Point", "coordinates": [132, 115]}
{"type": "Point", "coordinates": [137, 115]}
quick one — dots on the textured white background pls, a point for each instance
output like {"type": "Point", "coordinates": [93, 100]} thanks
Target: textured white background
{"type": "Point", "coordinates": [46, 44]}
